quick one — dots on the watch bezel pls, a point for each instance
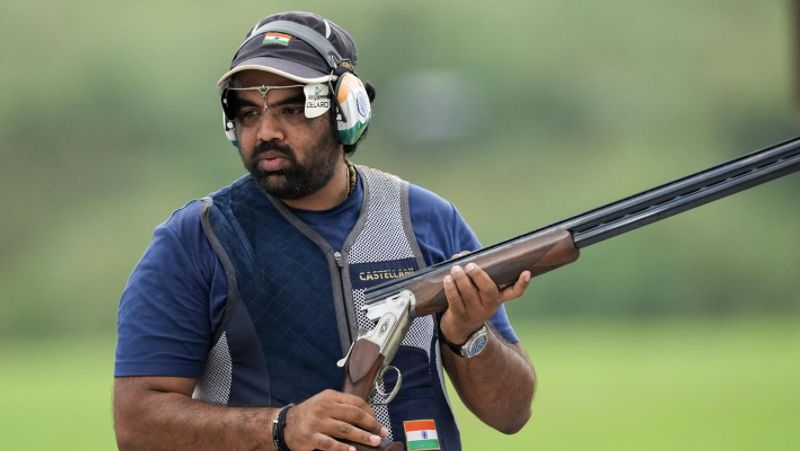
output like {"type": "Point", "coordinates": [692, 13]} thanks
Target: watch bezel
{"type": "Point", "coordinates": [474, 345]}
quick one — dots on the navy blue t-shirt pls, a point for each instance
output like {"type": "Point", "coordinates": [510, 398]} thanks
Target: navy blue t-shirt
{"type": "Point", "coordinates": [173, 301]}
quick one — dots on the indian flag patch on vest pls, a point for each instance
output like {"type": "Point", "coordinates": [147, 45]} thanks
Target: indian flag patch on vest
{"type": "Point", "coordinates": [421, 435]}
{"type": "Point", "coordinates": [276, 38]}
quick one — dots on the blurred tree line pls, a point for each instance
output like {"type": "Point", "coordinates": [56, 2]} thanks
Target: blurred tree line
{"type": "Point", "coordinates": [520, 113]}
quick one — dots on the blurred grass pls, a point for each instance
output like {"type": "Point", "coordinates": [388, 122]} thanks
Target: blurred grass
{"type": "Point", "coordinates": [56, 394]}
{"type": "Point", "coordinates": [603, 385]}
{"type": "Point", "coordinates": [674, 385]}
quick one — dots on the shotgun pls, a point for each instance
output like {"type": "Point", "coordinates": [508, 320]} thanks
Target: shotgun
{"type": "Point", "coordinates": [393, 305]}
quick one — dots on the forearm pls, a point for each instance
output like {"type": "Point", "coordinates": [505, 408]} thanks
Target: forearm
{"type": "Point", "coordinates": [148, 419]}
{"type": "Point", "coordinates": [497, 385]}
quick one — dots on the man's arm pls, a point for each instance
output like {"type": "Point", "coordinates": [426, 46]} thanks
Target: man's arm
{"type": "Point", "coordinates": [498, 384]}
{"type": "Point", "coordinates": [158, 413]}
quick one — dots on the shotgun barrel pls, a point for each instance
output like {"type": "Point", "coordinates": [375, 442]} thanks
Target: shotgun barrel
{"type": "Point", "coordinates": [684, 194]}
{"type": "Point", "coordinates": [549, 247]}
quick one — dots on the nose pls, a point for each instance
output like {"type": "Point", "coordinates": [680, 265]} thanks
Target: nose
{"type": "Point", "coordinates": [269, 129]}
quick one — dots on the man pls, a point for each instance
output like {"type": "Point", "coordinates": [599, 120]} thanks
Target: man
{"type": "Point", "coordinates": [232, 321]}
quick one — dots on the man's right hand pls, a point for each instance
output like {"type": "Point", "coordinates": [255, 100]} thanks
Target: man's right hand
{"type": "Point", "coordinates": [319, 421]}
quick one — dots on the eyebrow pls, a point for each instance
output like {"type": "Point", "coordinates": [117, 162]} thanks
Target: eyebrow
{"type": "Point", "coordinates": [244, 102]}
{"type": "Point", "coordinates": [300, 98]}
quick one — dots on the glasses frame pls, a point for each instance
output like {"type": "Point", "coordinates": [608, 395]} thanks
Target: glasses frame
{"type": "Point", "coordinates": [264, 90]}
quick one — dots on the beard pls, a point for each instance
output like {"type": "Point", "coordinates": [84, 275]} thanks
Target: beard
{"type": "Point", "coordinates": [296, 180]}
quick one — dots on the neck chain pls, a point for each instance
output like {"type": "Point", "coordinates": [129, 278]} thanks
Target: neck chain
{"type": "Point", "coordinates": [351, 173]}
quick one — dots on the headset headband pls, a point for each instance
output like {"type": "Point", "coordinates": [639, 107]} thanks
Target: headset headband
{"type": "Point", "coordinates": [306, 33]}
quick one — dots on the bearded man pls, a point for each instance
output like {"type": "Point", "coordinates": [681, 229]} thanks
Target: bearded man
{"type": "Point", "coordinates": [231, 323]}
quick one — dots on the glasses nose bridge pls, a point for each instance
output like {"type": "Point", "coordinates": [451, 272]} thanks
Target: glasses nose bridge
{"type": "Point", "coordinates": [270, 123]}
{"type": "Point", "coordinates": [266, 111]}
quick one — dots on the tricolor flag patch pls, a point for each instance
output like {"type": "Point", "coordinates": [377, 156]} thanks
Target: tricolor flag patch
{"type": "Point", "coordinates": [276, 38]}
{"type": "Point", "coordinates": [421, 435]}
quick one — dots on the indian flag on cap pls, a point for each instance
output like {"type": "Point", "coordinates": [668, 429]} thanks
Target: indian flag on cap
{"type": "Point", "coordinates": [276, 38]}
{"type": "Point", "coordinates": [421, 435]}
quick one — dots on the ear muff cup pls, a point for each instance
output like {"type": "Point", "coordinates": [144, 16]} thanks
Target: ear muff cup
{"type": "Point", "coordinates": [353, 108]}
{"type": "Point", "coordinates": [228, 123]}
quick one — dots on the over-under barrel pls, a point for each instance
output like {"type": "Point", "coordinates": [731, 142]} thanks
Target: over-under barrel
{"type": "Point", "coordinates": [549, 247]}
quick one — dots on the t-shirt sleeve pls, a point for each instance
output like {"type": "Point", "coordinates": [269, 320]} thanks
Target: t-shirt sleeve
{"type": "Point", "coordinates": [442, 232]}
{"type": "Point", "coordinates": [171, 302]}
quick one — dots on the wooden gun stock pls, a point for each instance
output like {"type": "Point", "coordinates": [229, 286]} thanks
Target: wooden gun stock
{"type": "Point", "coordinates": [538, 253]}
{"type": "Point", "coordinates": [361, 370]}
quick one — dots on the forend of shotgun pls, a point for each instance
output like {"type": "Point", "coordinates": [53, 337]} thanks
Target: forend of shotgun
{"type": "Point", "coordinates": [538, 253]}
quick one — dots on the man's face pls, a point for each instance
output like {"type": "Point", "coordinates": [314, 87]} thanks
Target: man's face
{"type": "Point", "coordinates": [289, 155]}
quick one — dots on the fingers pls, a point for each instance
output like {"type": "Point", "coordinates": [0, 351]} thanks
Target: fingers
{"type": "Point", "coordinates": [328, 418]}
{"type": "Point", "coordinates": [477, 290]}
{"type": "Point", "coordinates": [488, 294]}
{"type": "Point", "coordinates": [352, 433]}
{"type": "Point", "coordinates": [454, 301]}
{"type": "Point", "coordinates": [519, 287]}
{"type": "Point", "coordinates": [326, 443]}
{"type": "Point", "coordinates": [467, 288]}
{"type": "Point", "coordinates": [485, 285]}
{"type": "Point", "coordinates": [336, 433]}
{"type": "Point", "coordinates": [472, 298]}
{"type": "Point", "coordinates": [466, 310]}
{"type": "Point", "coordinates": [459, 255]}
{"type": "Point", "coordinates": [361, 417]}
{"type": "Point", "coordinates": [354, 410]}
{"type": "Point", "coordinates": [348, 399]}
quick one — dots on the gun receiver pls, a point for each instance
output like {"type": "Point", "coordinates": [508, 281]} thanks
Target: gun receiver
{"type": "Point", "coordinates": [371, 354]}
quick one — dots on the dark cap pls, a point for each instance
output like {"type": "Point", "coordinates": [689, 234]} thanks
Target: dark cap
{"type": "Point", "coordinates": [277, 44]}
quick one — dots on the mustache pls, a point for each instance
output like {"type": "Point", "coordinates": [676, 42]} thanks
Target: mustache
{"type": "Point", "coordinates": [266, 146]}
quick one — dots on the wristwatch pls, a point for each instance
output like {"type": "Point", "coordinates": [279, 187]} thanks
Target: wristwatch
{"type": "Point", "coordinates": [474, 345]}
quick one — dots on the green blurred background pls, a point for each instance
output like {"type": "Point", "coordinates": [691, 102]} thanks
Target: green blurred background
{"type": "Point", "coordinates": [682, 335]}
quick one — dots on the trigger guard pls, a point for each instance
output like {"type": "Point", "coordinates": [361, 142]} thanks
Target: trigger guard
{"type": "Point", "coordinates": [395, 389]}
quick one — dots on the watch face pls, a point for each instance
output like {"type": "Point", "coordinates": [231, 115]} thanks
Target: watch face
{"type": "Point", "coordinates": [477, 345]}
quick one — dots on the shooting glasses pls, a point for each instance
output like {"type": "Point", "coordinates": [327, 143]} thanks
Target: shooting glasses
{"type": "Point", "coordinates": [292, 110]}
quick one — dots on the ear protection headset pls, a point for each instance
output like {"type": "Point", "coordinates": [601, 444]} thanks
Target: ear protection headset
{"type": "Point", "coordinates": [350, 100]}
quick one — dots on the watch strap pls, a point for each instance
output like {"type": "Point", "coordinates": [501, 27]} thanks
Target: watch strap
{"type": "Point", "coordinates": [453, 347]}
{"type": "Point", "coordinates": [463, 349]}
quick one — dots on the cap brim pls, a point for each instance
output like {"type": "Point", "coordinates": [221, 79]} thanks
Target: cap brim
{"type": "Point", "coordinates": [284, 68]}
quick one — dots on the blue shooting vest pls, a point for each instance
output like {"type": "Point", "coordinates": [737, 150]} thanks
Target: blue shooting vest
{"type": "Point", "coordinates": [294, 304]}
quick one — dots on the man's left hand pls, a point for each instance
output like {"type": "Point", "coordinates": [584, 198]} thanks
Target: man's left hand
{"type": "Point", "coordinates": [472, 298]}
